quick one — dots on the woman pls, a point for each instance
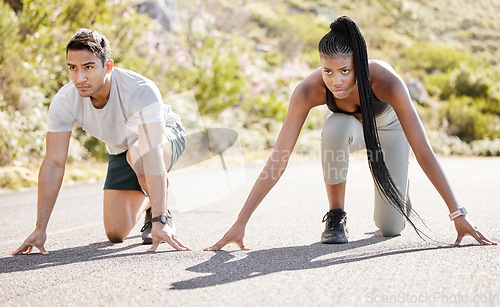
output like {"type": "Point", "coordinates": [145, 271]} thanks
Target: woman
{"type": "Point", "coordinates": [371, 109]}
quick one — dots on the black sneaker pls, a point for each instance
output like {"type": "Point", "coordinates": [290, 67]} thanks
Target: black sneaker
{"type": "Point", "coordinates": [336, 227]}
{"type": "Point", "coordinates": [146, 229]}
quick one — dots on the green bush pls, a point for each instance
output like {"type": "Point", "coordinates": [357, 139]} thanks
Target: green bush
{"type": "Point", "coordinates": [266, 106]}
{"type": "Point", "coordinates": [463, 81]}
{"type": "Point", "coordinates": [216, 79]}
{"type": "Point", "coordinates": [434, 57]}
{"type": "Point", "coordinates": [290, 33]}
{"type": "Point", "coordinates": [465, 119]}
{"type": "Point", "coordinates": [406, 17]}
{"type": "Point", "coordinates": [491, 105]}
{"type": "Point", "coordinates": [436, 82]}
{"type": "Point", "coordinates": [22, 130]}
{"type": "Point", "coordinates": [14, 71]}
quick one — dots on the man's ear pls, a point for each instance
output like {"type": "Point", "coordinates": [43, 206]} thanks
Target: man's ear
{"type": "Point", "coordinates": [109, 65]}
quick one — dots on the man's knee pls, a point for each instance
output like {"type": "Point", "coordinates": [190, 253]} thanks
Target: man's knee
{"type": "Point", "coordinates": [115, 235]}
{"type": "Point", "coordinates": [114, 238]}
{"type": "Point", "coordinates": [117, 226]}
{"type": "Point", "coordinates": [120, 212]}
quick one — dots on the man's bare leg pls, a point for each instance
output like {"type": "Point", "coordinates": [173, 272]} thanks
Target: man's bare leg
{"type": "Point", "coordinates": [122, 210]}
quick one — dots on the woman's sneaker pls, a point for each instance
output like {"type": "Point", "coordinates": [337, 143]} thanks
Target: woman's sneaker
{"type": "Point", "coordinates": [146, 229]}
{"type": "Point", "coordinates": [335, 228]}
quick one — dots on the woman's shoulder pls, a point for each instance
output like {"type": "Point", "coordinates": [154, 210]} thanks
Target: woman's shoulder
{"type": "Point", "coordinates": [386, 83]}
{"type": "Point", "coordinates": [380, 68]}
{"type": "Point", "coordinates": [382, 75]}
{"type": "Point", "coordinates": [312, 89]}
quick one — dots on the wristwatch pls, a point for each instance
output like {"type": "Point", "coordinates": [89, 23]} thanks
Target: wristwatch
{"type": "Point", "coordinates": [459, 212]}
{"type": "Point", "coordinates": [162, 218]}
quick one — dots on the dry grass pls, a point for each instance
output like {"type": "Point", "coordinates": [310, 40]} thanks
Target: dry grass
{"type": "Point", "coordinates": [26, 177]}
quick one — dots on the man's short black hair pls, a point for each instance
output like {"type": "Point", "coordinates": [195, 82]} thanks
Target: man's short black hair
{"type": "Point", "coordinates": [91, 40]}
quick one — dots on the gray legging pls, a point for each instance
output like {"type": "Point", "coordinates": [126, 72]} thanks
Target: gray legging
{"type": "Point", "coordinates": [343, 134]}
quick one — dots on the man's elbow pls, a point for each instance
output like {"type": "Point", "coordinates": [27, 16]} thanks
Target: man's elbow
{"type": "Point", "coordinates": [54, 163]}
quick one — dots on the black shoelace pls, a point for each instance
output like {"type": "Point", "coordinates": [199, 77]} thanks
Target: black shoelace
{"type": "Point", "coordinates": [333, 220]}
{"type": "Point", "coordinates": [146, 226]}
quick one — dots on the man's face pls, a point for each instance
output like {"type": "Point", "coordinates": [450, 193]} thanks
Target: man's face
{"type": "Point", "coordinates": [87, 72]}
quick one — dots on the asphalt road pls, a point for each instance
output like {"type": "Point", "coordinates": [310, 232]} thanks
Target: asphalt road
{"type": "Point", "coordinates": [286, 265]}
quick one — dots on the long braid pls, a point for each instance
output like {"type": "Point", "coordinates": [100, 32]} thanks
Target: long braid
{"type": "Point", "coordinates": [345, 37]}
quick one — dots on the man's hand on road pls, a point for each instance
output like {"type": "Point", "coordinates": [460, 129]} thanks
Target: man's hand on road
{"type": "Point", "coordinates": [164, 233]}
{"type": "Point", "coordinates": [37, 239]}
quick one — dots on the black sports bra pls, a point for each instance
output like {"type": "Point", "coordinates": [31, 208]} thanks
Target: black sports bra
{"type": "Point", "coordinates": [330, 102]}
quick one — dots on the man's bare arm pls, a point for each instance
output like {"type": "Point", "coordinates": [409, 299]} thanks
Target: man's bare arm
{"type": "Point", "coordinates": [50, 179]}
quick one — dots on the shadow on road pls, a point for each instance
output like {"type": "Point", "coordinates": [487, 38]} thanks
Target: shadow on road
{"type": "Point", "coordinates": [92, 252]}
{"type": "Point", "coordinates": [226, 269]}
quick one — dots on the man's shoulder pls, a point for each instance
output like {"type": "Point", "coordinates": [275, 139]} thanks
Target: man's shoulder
{"type": "Point", "coordinates": [132, 83]}
{"type": "Point", "coordinates": [129, 77]}
{"type": "Point", "coordinates": [67, 89]}
{"type": "Point", "coordinates": [67, 93]}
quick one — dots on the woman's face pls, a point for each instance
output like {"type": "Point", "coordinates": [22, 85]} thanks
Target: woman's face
{"type": "Point", "coordinates": [338, 74]}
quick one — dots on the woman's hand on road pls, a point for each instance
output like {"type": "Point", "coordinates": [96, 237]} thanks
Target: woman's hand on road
{"type": "Point", "coordinates": [465, 228]}
{"type": "Point", "coordinates": [234, 235]}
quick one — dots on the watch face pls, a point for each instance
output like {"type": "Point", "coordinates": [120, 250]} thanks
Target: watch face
{"type": "Point", "coordinates": [163, 218]}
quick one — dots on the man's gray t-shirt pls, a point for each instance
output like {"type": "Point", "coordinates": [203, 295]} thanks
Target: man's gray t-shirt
{"type": "Point", "coordinates": [133, 100]}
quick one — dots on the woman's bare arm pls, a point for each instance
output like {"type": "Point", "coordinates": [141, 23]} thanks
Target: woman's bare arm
{"type": "Point", "coordinates": [305, 97]}
{"type": "Point", "coordinates": [389, 86]}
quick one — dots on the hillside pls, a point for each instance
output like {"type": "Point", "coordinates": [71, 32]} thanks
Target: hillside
{"type": "Point", "coordinates": [242, 59]}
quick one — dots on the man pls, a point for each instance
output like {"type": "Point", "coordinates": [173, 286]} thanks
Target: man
{"type": "Point", "coordinates": [142, 135]}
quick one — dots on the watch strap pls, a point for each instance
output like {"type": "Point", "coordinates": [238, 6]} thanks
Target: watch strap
{"type": "Point", "coordinates": [459, 212]}
{"type": "Point", "coordinates": [158, 218]}
{"type": "Point", "coordinates": [162, 218]}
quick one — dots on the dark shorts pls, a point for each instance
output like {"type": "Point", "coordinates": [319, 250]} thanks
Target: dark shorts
{"type": "Point", "coordinates": [120, 174]}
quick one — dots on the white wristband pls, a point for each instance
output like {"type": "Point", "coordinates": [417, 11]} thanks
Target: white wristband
{"type": "Point", "coordinates": [459, 212]}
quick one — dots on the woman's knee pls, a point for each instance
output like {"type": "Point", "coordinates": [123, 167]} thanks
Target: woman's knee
{"type": "Point", "coordinates": [336, 130]}
{"type": "Point", "coordinates": [390, 224]}
{"type": "Point", "coordinates": [391, 230]}
{"type": "Point", "coordinates": [335, 147]}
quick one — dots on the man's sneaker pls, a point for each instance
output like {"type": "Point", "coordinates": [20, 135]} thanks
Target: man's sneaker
{"type": "Point", "coordinates": [146, 229]}
{"type": "Point", "coordinates": [336, 227]}
{"type": "Point", "coordinates": [148, 225]}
